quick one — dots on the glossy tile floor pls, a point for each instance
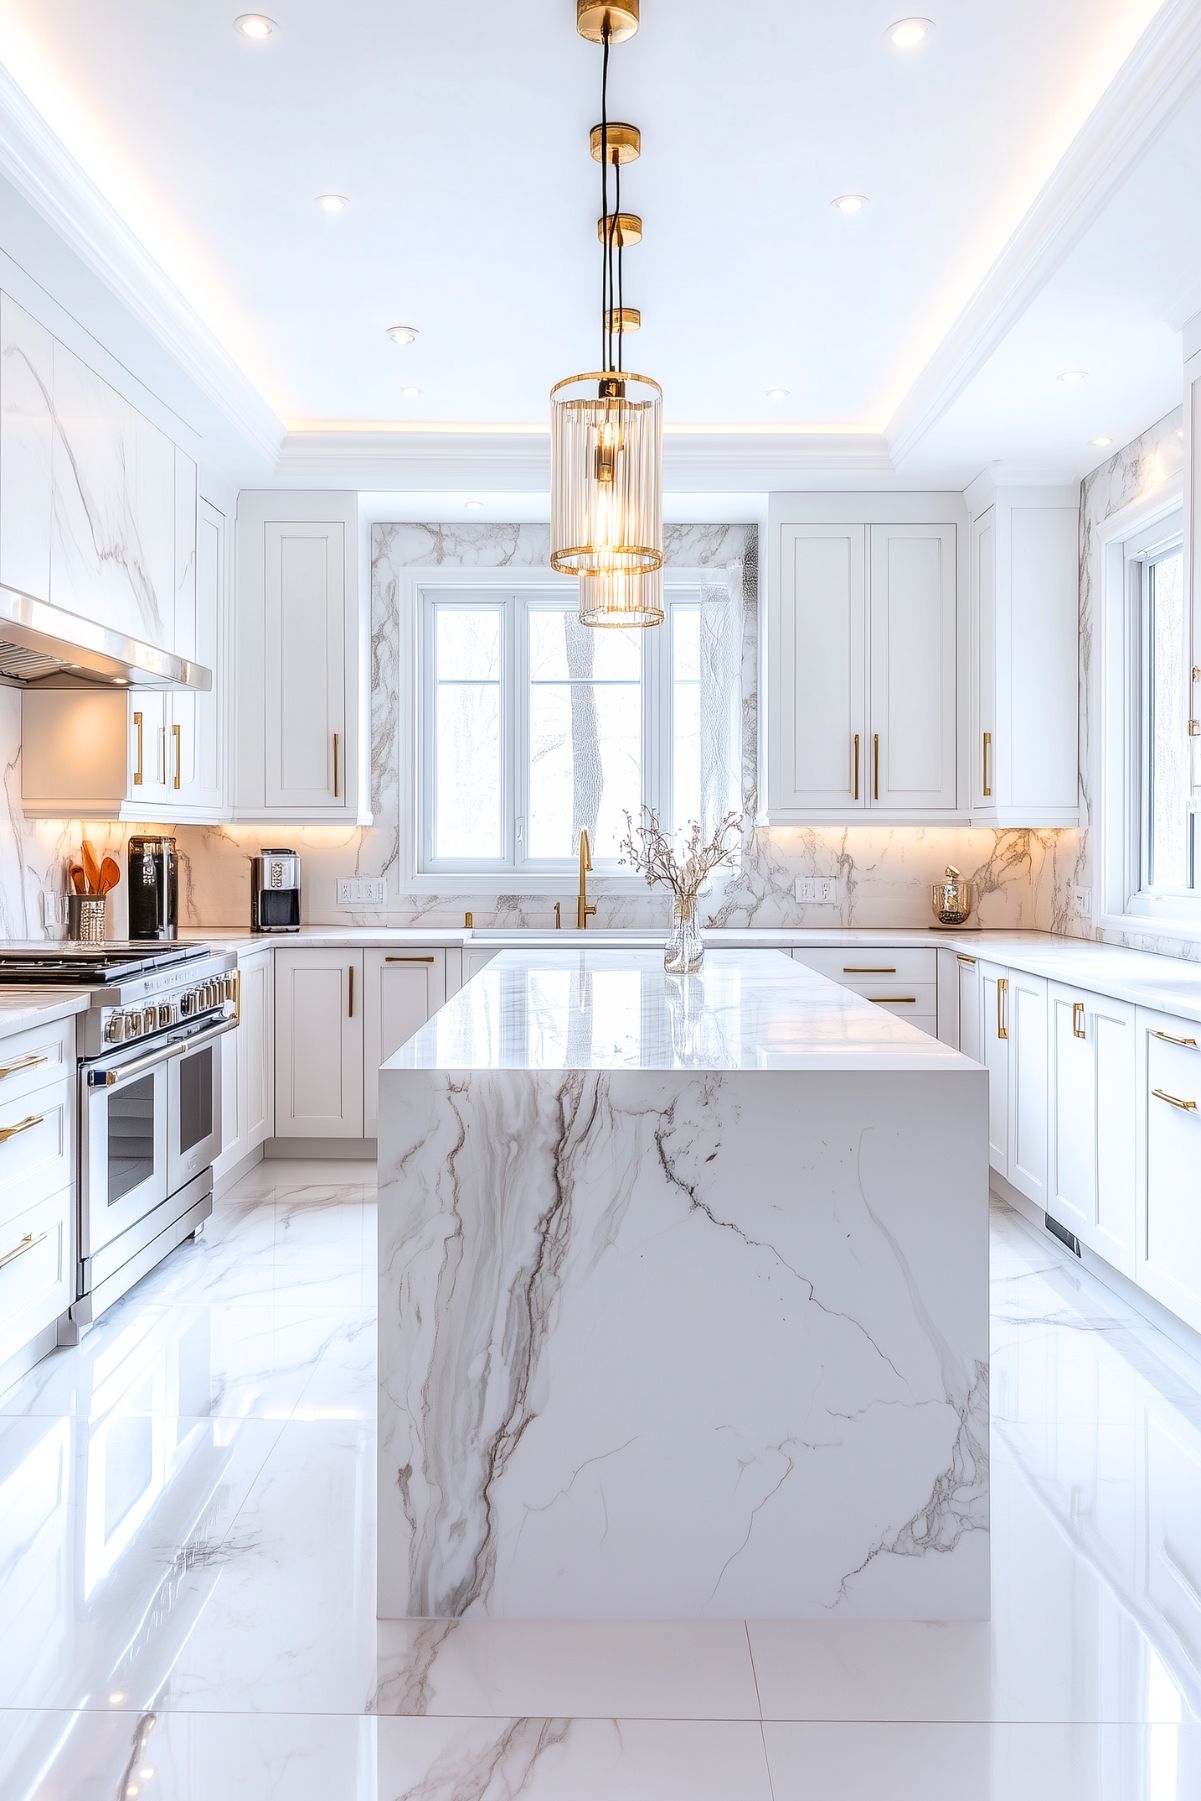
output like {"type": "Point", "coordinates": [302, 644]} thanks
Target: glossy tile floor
{"type": "Point", "coordinates": [187, 1597]}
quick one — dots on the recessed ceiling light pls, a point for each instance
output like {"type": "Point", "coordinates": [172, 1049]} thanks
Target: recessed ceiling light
{"type": "Point", "coordinates": [332, 203]}
{"type": "Point", "coordinates": [907, 34]}
{"type": "Point", "coordinates": [402, 334]}
{"type": "Point", "coordinates": [849, 203]}
{"type": "Point", "coordinates": [473, 506]}
{"type": "Point", "coordinates": [410, 393]}
{"type": "Point", "coordinates": [1074, 375]}
{"type": "Point", "coordinates": [778, 393]}
{"type": "Point", "coordinates": [1101, 442]}
{"type": "Point", "coordinates": [254, 25]}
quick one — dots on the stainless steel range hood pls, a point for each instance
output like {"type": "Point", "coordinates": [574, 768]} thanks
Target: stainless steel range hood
{"type": "Point", "coordinates": [43, 646]}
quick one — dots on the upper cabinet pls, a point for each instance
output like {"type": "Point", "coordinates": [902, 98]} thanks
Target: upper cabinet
{"type": "Point", "coordinates": [1024, 584]}
{"type": "Point", "coordinates": [860, 663]}
{"type": "Point", "coordinates": [296, 738]}
{"type": "Point", "coordinates": [26, 447]}
{"type": "Point", "coordinates": [1192, 525]}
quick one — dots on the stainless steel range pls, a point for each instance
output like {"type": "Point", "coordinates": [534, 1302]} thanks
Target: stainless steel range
{"type": "Point", "coordinates": [149, 1097]}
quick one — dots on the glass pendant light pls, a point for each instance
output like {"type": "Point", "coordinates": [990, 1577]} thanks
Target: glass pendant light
{"type": "Point", "coordinates": [607, 425]}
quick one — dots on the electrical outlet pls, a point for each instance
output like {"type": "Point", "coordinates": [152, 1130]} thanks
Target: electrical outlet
{"type": "Point", "coordinates": [821, 890]}
{"type": "Point", "coordinates": [349, 891]}
{"type": "Point", "coordinates": [1082, 900]}
{"type": "Point", "coordinates": [374, 891]}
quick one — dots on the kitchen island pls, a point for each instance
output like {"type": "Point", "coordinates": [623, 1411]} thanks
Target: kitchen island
{"type": "Point", "coordinates": [683, 1300]}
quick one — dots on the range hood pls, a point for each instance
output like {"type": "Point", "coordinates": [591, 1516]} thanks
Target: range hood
{"type": "Point", "coordinates": [43, 646]}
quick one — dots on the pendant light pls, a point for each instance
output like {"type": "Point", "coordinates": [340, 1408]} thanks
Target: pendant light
{"type": "Point", "coordinates": [606, 426]}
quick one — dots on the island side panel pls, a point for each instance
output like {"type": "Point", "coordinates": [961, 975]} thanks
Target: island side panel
{"type": "Point", "coordinates": [684, 1346]}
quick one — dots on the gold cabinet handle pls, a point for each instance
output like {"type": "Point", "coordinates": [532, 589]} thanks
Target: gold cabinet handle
{"type": "Point", "coordinates": [469, 919]}
{"type": "Point", "coordinates": [408, 959]}
{"type": "Point", "coordinates": [177, 734]}
{"type": "Point", "coordinates": [855, 793]}
{"type": "Point", "coordinates": [964, 959]}
{"type": "Point", "coordinates": [350, 992]}
{"type": "Point", "coordinates": [137, 731]}
{"type": "Point", "coordinates": [1188, 1043]}
{"type": "Point", "coordinates": [337, 779]}
{"type": "Point", "coordinates": [33, 1061]}
{"type": "Point", "coordinates": [1078, 1030]}
{"type": "Point", "coordinates": [1002, 1006]}
{"type": "Point", "coordinates": [237, 996]}
{"type": "Point", "coordinates": [19, 1250]}
{"type": "Point", "coordinates": [1174, 1100]}
{"type": "Point", "coordinates": [875, 765]}
{"type": "Point", "coordinates": [895, 1000]}
{"type": "Point", "coordinates": [868, 969]}
{"type": "Point", "coordinates": [985, 748]}
{"type": "Point", "coordinates": [22, 1125]}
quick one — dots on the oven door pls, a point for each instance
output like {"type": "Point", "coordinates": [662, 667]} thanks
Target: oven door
{"type": "Point", "coordinates": [194, 1107]}
{"type": "Point", "coordinates": [123, 1145]}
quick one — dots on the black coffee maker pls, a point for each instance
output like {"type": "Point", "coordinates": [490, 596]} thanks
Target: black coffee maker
{"type": "Point", "coordinates": [153, 888]}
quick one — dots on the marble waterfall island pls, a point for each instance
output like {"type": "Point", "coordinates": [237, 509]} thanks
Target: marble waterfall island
{"type": "Point", "coordinates": [683, 1301]}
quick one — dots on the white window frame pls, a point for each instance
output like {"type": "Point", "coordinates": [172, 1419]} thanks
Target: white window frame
{"type": "Point", "coordinates": [422, 591]}
{"type": "Point", "coordinates": [1126, 541]}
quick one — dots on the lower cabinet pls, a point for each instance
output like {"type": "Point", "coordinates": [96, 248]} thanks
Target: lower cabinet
{"type": "Point", "coordinates": [1013, 1048]}
{"type": "Point", "coordinates": [247, 1075]}
{"type": "Point", "coordinates": [971, 1010]}
{"type": "Point", "coordinates": [1168, 1249]}
{"type": "Point", "coordinates": [993, 1052]}
{"type": "Point", "coordinates": [904, 981]}
{"type": "Point", "coordinates": [338, 1016]}
{"type": "Point", "coordinates": [1091, 1136]}
{"type": "Point", "coordinates": [37, 1182]}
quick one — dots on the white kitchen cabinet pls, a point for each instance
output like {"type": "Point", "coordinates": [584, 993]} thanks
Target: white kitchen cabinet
{"type": "Point", "coordinates": [912, 754]}
{"type": "Point", "coordinates": [401, 989]}
{"type": "Point", "coordinates": [1168, 1250]}
{"type": "Point", "coordinates": [860, 666]}
{"type": "Point", "coordinates": [1026, 1021]}
{"type": "Point", "coordinates": [247, 1069]}
{"type": "Point", "coordinates": [195, 721]}
{"type": "Point", "coordinates": [1024, 586]}
{"type": "Point", "coordinates": [318, 1043]}
{"type": "Point", "coordinates": [1091, 1135]}
{"type": "Point", "coordinates": [1192, 524]}
{"type": "Point", "coordinates": [994, 1054]}
{"type": "Point", "coordinates": [26, 439]}
{"type": "Point", "coordinates": [901, 981]}
{"type": "Point", "coordinates": [971, 1007]}
{"type": "Point", "coordinates": [299, 616]}
{"type": "Point", "coordinates": [475, 957]}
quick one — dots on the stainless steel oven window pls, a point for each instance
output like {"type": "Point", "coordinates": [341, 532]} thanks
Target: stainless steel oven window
{"type": "Point", "coordinates": [131, 1138]}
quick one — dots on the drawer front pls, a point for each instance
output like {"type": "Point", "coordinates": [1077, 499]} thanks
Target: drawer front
{"type": "Point", "coordinates": [856, 967]}
{"type": "Point", "coordinates": [32, 1059]}
{"type": "Point", "coordinates": [37, 1267]}
{"type": "Point", "coordinates": [37, 1146]}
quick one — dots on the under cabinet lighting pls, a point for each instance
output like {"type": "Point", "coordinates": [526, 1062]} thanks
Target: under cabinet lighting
{"type": "Point", "coordinates": [849, 203]}
{"type": "Point", "coordinates": [332, 203]}
{"type": "Point", "coordinates": [402, 334]}
{"type": "Point", "coordinates": [255, 26]}
{"type": "Point", "coordinates": [411, 393]}
{"type": "Point", "coordinates": [1071, 376]}
{"type": "Point", "coordinates": [1101, 443]}
{"type": "Point", "coordinates": [907, 34]}
{"type": "Point", "coordinates": [473, 506]}
{"type": "Point", "coordinates": [778, 393]}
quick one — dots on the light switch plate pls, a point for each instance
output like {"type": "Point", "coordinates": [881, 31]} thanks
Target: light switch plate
{"type": "Point", "coordinates": [821, 890]}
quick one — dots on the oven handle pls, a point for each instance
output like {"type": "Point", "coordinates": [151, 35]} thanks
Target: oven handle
{"type": "Point", "coordinates": [164, 1053]}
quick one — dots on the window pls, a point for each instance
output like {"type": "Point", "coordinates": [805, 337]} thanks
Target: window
{"type": "Point", "coordinates": [534, 726]}
{"type": "Point", "coordinates": [1168, 873]}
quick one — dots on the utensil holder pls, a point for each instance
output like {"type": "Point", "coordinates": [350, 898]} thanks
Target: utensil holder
{"type": "Point", "coordinates": [85, 918]}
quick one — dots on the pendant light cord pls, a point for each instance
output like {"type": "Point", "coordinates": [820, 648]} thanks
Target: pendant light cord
{"type": "Point", "coordinates": [606, 230]}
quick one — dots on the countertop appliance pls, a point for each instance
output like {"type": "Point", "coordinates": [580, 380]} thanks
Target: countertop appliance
{"type": "Point", "coordinates": [153, 888]}
{"type": "Point", "coordinates": [275, 891]}
{"type": "Point", "coordinates": [149, 1085]}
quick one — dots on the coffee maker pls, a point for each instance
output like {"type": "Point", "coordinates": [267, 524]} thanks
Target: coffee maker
{"type": "Point", "coordinates": [153, 888]}
{"type": "Point", "coordinates": [275, 891]}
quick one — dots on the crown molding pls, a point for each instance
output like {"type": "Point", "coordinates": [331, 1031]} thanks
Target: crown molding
{"type": "Point", "coordinates": [1156, 78]}
{"type": "Point", "coordinates": [45, 175]}
{"type": "Point", "coordinates": [439, 461]}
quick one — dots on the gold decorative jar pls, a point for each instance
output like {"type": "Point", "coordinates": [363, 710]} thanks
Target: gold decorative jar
{"type": "Point", "coordinates": [952, 898]}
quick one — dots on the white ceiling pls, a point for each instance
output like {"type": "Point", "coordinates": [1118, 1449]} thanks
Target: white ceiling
{"type": "Point", "coordinates": [458, 131]}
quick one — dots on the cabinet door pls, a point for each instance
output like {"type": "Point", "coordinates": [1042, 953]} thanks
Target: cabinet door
{"type": "Point", "coordinates": [1169, 1238]}
{"type": "Point", "coordinates": [1113, 1026]}
{"type": "Point", "coordinates": [304, 712]}
{"type": "Point", "coordinates": [150, 762]}
{"type": "Point", "coordinates": [318, 1044]}
{"type": "Point", "coordinates": [257, 1074]}
{"type": "Point", "coordinates": [994, 1048]}
{"type": "Point", "coordinates": [400, 992]}
{"type": "Point", "coordinates": [1072, 1127]}
{"type": "Point", "coordinates": [970, 1008]}
{"type": "Point", "coordinates": [474, 959]}
{"type": "Point", "coordinates": [984, 659]}
{"type": "Point", "coordinates": [153, 574]}
{"type": "Point", "coordinates": [233, 1116]}
{"type": "Point", "coordinates": [911, 756]}
{"type": "Point", "coordinates": [816, 672]}
{"type": "Point", "coordinates": [1027, 1018]}
{"type": "Point", "coordinates": [196, 718]}
{"type": "Point", "coordinates": [26, 437]}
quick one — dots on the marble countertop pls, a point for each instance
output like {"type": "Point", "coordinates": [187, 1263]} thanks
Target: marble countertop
{"type": "Point", "coordinates": [1168, 984]}
{"type": "Point", "coordinates": [37, 1005]}
{"type": "Point", "coordinates": [614, 1008]}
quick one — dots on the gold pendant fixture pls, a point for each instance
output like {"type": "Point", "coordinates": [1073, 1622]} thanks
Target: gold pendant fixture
{"type": "Point", "coordinates": [606, 425]}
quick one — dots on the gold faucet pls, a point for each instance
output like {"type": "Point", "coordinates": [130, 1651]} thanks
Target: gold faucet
{"type": "Point", "coordinates": [583, 912]}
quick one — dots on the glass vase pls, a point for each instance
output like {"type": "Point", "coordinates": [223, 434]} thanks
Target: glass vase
{"type": "Point", "coordinates": [685, 950]}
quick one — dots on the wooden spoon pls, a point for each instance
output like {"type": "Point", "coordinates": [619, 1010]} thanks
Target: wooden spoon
{"type": "Point", "coordinates": [78, 879]}
{"type": "Point", "coordinates": [91, 868]}
{"type": "Point", "coordinates": [110, 875]}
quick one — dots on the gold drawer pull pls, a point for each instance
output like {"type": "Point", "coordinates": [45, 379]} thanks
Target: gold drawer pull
{"type": "Point", "coordinates": [1002, 1006]}
{"type": "Point", "coordinates": [22, 1125]}
{"type": "Point", "coordinates": [855, 794]}
{"type": "Point", "coordinates": [894, 1000]}
{"type": "Point", "coordinates": [985, 784]}
{"type": "Point", "coordinates": [19, 1250]}
{"type": "Point", "coordinates": [875, 766]}
{"type": "Point", "coordinates": [964, 959]}
{"type": "Point", "coordinates": [350, 992]}
{"type": "Point", "coordinates": [408, 959]}
{"type": "Point", "coordinates": [868, 969]}
{"type": "Point", "coordinates": [1174, 1101]}
{"type": "Point", "coordinates": [337, 781]}
{"type": "Point", "coordinates": [177, 734]}
{"type": "Point", "coordinates": [1078, 1030]}
{"type": "Point", "coordinates": [32, 1061]}
{"type": "Point", "coordinates": [137, 726]}
{"type": "Point", "coordinates": [1189, 1043]}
